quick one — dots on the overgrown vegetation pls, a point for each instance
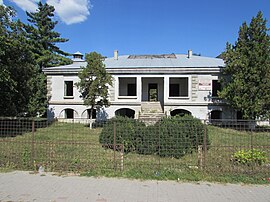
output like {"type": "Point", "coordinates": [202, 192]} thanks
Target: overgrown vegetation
{"type": "Point", "coordinates": [250, 157]}
{"type": "Point", "coordinates": [170, 137]}
{"type": "Point", "coordinates": [127, 133]}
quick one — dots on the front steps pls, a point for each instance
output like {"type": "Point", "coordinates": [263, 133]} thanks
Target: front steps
{"type": "Point", "coordinates": [151, 112]}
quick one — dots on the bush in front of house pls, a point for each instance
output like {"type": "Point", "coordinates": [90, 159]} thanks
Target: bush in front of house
{"type": "Point", "coordinates": [181, 135]}
{"type": "Point", "coordinates": [148, 140]}
{"type": "Point", "coordinates": [127, 132]}
{"type": "Point", "coordinates": [170, 137]}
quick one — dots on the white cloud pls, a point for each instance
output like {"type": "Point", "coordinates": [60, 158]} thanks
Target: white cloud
{"type": "Point", "coordinates": [26, 5]}
{"type": "Point", "coordinates": [71, 11]}
{"type": "Point", "coordinates": [1, 2]}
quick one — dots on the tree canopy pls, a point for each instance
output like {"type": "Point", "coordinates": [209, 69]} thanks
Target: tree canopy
{"type": "Point", "coordinates": [24, 51]}
{"type": "Point", "coordinates": [94, 82]}
{"type": "Point", "coordinates": [246, 80]}
{"type": "Point", "coordinates": [44, 38]}
{"type": "Point", "coordinates": [16, 65]}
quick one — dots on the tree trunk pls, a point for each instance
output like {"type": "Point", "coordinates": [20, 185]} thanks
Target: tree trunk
{"type": "Point", "coordinates": [90, 117]}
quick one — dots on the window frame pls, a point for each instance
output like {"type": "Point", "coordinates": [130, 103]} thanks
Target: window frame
{"type": "Point", "coordinates": [180, 94]}
{"type": "Point", "coordinates": [68, 89]}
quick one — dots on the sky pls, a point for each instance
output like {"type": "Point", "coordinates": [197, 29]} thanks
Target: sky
{"type": "Point", "coordinates": [148, 26]}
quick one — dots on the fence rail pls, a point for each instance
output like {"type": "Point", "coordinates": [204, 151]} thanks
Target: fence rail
{"type": "Point", "coordinates": [172, 146]}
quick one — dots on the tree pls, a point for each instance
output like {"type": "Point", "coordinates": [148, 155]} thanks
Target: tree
{"type": "Point", "coordinates": [38, 102]}
{"type": "Point", "coordinates": [246, 79]}
{"type": "Point", "coordinates": [94, 82]}
{"type": "Point", "coordinates": [16, 65]}
{"type": "Point", "coordinates": [43, 37]}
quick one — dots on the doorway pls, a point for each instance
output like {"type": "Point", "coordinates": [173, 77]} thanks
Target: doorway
{"type": "Point", "coordinates": [153, 92]}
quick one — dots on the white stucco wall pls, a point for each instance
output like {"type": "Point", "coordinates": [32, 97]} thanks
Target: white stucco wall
{"type": "Point", "coordinates": [198, 101]}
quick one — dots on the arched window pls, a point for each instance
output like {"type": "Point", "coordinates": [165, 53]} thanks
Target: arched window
{"type": "Point", "coordinates": [125, 112]}
{"type": "Point", "coordinates": [180, 112]}
{"type": "Point", "coordinates": [69, 113]}
{"type": "Point", "coordinates": [216, 114]}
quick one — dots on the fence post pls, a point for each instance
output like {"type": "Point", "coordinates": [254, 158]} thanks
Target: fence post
{"type": "Point", "coordinates": [33, 142]}
{"type": "Point", "coordinates": [159, 158]}
{"type": "Point", "coordinates": [200, 156]}
{"type": "Point", "coordinates": [114, 145]}
{"type": "Point", "coordinates": [122, 158]}
{"type": "Point", "coordinates": [204, 146]}
{"type": "Point", "coordinates": [251, 146]}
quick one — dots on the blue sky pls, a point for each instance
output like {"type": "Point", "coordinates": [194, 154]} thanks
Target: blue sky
{"type": "Point", "coordinates": [149, 26]}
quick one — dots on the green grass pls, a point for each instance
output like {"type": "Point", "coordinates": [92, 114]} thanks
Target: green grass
{"type": "Point", "coordinates": [64, 147]}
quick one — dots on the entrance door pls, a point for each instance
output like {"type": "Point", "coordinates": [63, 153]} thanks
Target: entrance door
{"type": "Point", "coordinates": [152, 92]}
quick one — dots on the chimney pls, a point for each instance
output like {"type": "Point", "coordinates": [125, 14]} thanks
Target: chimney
{"type": "Point", "coordinates": [116, 54]}
{"type": "Point", "coordinates": [189, 53]}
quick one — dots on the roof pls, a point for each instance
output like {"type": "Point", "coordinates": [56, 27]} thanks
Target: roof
{"type": "Point", "coordinates": [157, 62]}
{"type": "Point", "coordinates": [179, 61]}
{"type": "Point", "coordinates": [77, 53]}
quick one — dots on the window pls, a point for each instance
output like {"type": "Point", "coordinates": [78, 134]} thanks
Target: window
{"type": "Point", "coordinates": [180, 112]}
{"type": "Point", "coordinates": [178, 87]}
{"type": "Point", "coordinates": [131, 90]}
{"type": "Point", "coordinates": [174, 90]}
{"type": "Point", "coordinates": [68, 88]}
{"type": "Point", "coordinates": [69, 113]}
{"type": "Point", "coordinates": [125, 112]}
{"type": "Point", "coordinates": [216, 86]}
{"type": "Point", "coordinates": [216, 114]}
{"type": "Point", "coordinates": [127, 86]}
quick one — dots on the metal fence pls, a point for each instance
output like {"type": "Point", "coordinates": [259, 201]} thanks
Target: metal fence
{"type": "Point", "coordinates": [170, 147]}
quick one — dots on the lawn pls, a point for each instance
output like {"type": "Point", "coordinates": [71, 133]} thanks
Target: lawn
{"type": "Point", "coordinates": [66, 147]}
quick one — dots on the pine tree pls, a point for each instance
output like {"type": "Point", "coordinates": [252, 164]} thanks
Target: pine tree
{"type": "Point", "coordinates": [246, 78]}
{"type": "Point", "coordinates": [94, 83]}
{"type": "Point", "coordinates": [43, 37]}
{"type": "Point", "coordinates": [43, 41]}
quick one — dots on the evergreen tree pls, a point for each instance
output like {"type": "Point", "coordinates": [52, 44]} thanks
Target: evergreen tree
{"type": "Point", "coordinates": [44, 39]}
{"type": "Point", "coordinates": [246, 78]}
{"type": "Point", "coordinates": [16, 65]}
{"type": "Point", "coordinates": [94, 82]}
{"type": "Point", "coordinates": [38, 102]}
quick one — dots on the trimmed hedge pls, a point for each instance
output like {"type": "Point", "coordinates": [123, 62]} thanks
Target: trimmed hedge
{"type": "Point", "coordinates": [181, 135]}
{"type": "Point", "coordinates": [170, 137]}
{"type": "Point", "coordinates": [127, 131]}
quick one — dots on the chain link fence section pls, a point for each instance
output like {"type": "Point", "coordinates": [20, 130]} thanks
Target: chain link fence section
{"type": "Point", "coordinates": [170, 146]}
{"type": "Point", "coordinates": [28, 144]}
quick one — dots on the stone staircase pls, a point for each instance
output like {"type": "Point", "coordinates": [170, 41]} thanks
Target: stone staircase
{"type": "Point", "coordinates": [151, 112]}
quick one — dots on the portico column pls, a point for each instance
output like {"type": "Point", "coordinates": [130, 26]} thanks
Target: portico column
{"type": "Point", "coordinates": [166, 88]}
{"type": "Point", "coordinates": [139, 88]}
{"type": "Point", "coordinates": [116, 88]}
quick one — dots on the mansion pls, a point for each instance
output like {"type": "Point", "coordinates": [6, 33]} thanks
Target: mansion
{"type": "Point", "coordinates": [166, 84]}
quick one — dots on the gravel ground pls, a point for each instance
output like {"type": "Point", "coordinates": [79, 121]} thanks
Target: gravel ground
{"type": "Point", "coordinates": [23, 186]}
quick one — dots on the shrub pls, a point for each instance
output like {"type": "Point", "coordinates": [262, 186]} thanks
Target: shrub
{"type": "Point", "coordinates": [180, 135]}
{"type": "Point", "coordinates": [170, 137]}
{"type": "Point", "coordinates": [249, 157]}
{"type": "Point", "coordinates": [127, 132]}
{"type": "Point", "coordinates": [148, 140]}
